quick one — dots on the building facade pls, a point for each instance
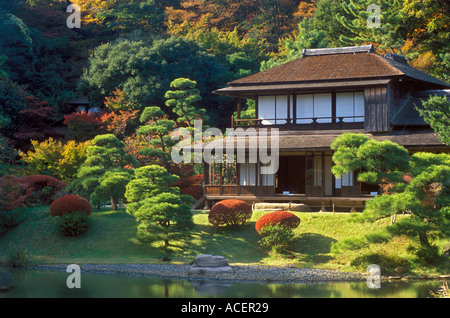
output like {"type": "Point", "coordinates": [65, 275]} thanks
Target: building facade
{"type": "Point", "coordinates": [311, 101]}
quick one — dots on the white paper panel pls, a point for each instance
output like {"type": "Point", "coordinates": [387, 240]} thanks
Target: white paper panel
{"type": "Point", "coordinates": [266, 109]}
{"type": "Point", "coordinates": [282, 102]}
{"type": "Point", "coordinates": [359, 106]}
{"type": "Point", "coordinates": [305, 108]}
{"type": "Point", "coordinates": [322, 107]}
{"type": "Point", "coordinates": [344, 106]}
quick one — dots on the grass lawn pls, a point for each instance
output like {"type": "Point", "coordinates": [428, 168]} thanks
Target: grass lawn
{"type": "Point", "coordinates": [111, 239]}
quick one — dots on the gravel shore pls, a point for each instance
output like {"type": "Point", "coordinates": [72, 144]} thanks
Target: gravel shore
{"type": "Point", "coordinates": [245, 273]}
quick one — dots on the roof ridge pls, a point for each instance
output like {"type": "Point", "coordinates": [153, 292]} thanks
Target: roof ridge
{"type": "Point", "coordinates": [339, 50]}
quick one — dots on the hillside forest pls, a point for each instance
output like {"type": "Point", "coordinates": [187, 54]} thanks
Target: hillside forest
{"type": "Point", "coordinates": [129, 59]}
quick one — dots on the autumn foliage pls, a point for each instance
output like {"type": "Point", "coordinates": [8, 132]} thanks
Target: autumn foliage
{"type": "Point", "coordinates": [191, 185]}
{"type": "Point", "coordinates": [230, 213]}
{"type": "Point", "coordinates": [286, 219]}
{"type": "Point", "coordinates": [41, 188]}
{"type": "Point", "coordinates": [12, 193]}
{"type": "Point", "coordinates": [84, 125]}
{"type": "Point", "coordinates": [69, 204]}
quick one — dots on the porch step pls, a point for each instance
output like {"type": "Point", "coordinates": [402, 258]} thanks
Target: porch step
{"type": "Point", "coordinates": [297, 207]}
{"type": "Point", "coordinates": [198, 203]}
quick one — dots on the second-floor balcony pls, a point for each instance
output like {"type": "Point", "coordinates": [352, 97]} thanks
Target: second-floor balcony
{"type": "Point", "coordinates": [304, 123]}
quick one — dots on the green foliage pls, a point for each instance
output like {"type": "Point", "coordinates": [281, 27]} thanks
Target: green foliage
{"type": "Point", "coordinates": [242, 54]}
{"type": "Point", "coordinates": [418, 186]}
{"type": "Point", "coordinates": [159, 128]}
{"type": "Point", "coordinates": [436, 112]}
{"type": "Point", "coordinates": [3, 74]}
{"type": "Point", "coordinates": [144, 69]}
{"type": "Point", "coordinates": [12, 101]}
{"type": "Point", "coordinates": [16, 45]}
{"type": "Point", "coordinates": [348, 244]}
{"type": "Point", "coordinates": [19, 255]}
{"type": "Point", "coordinates": [54, 158]}
{"type": "Point", "coordinates": [149, 181]}
{"type": "Point", "coordinates": [162, 212]}
{"type": "Point", "coordinates": [127, 16]}
{"type": "Point", "coordinates": [183, 98]}
{"type": "Point", "coordinates": [277, 237]}
{"type": "Point", "coordinates": [112, 186]}
{"type": "Point", "coordinates": [104, 173]}
{"type": "Point", "coordinates": [306, 37]}
{"type": "Point", "coordinates": [9, 220]}
{"type": "Point", "coordinates": [72, 224]}
{"type": "Point", "coordinates": [355, 21]}
{"type": "Point", "coordinates": [382, 162]}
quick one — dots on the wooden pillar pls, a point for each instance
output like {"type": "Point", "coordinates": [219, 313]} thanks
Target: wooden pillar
{"type": "Point", "coordinates": [288, 121]}
{"type": "Point", "coordinates": [294, 108]}
{"type": "Point", "coordinates": [323, 173]}
{"type": "Point", "coordinates": [323, 209]}
{"type": "Point", "coordinates": [239, 102]}
{"type": "Point", "coordinates": [257, 177]}
{"type": "Point", "coordinates": [221, 178]}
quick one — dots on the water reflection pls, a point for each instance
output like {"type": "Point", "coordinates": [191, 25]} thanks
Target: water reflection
{"type": "Point", "coordinates": [35, 283]}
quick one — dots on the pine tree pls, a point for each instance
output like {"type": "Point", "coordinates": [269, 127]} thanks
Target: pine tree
{"type": "Point", "coordinates": [105, 172]}
{"type": "Point", "coordinates": [162, 211]}
{"type": "Point", "coordinates": [183, 98]}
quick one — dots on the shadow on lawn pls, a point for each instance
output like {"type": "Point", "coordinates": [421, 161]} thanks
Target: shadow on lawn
{"type": "Point", "coordinates": [236, 245]}
{"type": "Point", "coordinates": [313, 247]}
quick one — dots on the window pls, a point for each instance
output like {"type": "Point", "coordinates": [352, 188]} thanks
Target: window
{"type": "Point", "coordinates": [345, 181]}
{"type": "Point", "coordinates": [350, 106]}
{"type": "Point", "coordinates": [266, 109]}
{"type": "Point", "coordinates": [247, 172]}
{"type": "Point", "coordinates": [273, 109]}
{"type": "Point", "coordinates": [266, 179]}
{"type": "Point", "coordinates": [314, 171]}
{"type": "Point", "coordinates": [311, 106]}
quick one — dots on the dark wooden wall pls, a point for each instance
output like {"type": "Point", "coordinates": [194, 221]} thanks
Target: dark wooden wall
{"type": "Point", "coordinates": [376, 109]}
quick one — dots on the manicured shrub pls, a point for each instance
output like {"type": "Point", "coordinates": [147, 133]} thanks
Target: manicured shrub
{"type": "Point", "coordinates": [283, 218]}
{"type": "Point", "coordinates": [72, 224]}
{"type": "Point", "coordinates": [12, 199]}
{"type": "Point", "coordinates": [230, 213]}
{"type": "Point", "coordinates": [276, 237]}
{"type": "Point", "coordinates": [69, 204]}
{"type": "Point", "coordinates": [191, 185]}
{"type": "Point", "coordinates": [13, 193]}
{"type": "Point", "coordinates": [42, 188]}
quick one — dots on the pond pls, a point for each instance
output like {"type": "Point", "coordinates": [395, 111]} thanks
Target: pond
{"type": "Point", "coordinates": [52, 284]}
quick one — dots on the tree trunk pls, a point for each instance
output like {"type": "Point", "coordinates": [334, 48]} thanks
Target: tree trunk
{"type": "Point", "coordinates": [423, 239]}
{"type": "Point", "coordinates": [113, 203]}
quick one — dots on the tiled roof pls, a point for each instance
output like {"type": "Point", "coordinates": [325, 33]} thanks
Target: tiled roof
{"type": "Point", "coordinates": [338, 64]}
{"type": "Point", "coordinates": [321, 140]}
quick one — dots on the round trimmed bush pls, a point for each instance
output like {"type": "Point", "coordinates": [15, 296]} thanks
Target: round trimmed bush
{"type": "Point", "coordinates": [286, 219]}
{"type": "Point", "coordinates": [41, 188]}
{"type": "Point", "coordinates": [68, 204]}
{"type": "Point", "coordinates": [72, 224]}
{"type": "Point", "coordinates": [230, 213]}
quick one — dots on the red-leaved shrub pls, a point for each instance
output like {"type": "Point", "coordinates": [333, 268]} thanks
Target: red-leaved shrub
{"type": "Point", "coordinates": [191, 186]}
{"type": "Point", "coordinates": [68, 204]}
{"type": "Point", "coordinates": [41, 188]}
{"type": "Point", "coordinates": [230, 213]}
{"type": "Point", "coordinates": [283, 218]}
{"type": "Point", "coordinates": [13, 193]}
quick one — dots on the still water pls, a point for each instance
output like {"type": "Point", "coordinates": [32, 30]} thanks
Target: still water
{"type": "Point", "coordinates": [48, 284]}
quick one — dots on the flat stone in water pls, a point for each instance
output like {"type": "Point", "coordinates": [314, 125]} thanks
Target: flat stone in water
{"type": "Point", "coordinates": [210, 266]}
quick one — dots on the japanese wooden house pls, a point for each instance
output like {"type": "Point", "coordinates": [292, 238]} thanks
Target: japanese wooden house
{"type": "Point", "coordinates": [312, 100]}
